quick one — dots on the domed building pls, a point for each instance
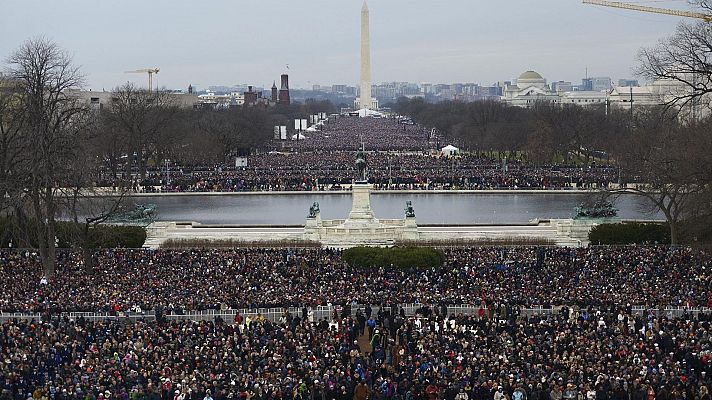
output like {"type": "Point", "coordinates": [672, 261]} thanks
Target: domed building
{"type": "Point", "coordinates": [531, 78]}
{"type": "Point", "coordinates": [529, 89]}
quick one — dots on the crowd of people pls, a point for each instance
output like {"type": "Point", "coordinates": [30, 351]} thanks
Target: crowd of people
{"type": "Point", "coordinates": [434, 355]}
{"type": "Point", "coordinates": [399, 156]}
{"type": "Point", "coordinates": [379, 134]}
{"type": "Point", "coordinates": [320, 171]}
{"type": "Point", "coordinates": [187, 280]}
{"type": "Point", "coordinates": [593, 346]}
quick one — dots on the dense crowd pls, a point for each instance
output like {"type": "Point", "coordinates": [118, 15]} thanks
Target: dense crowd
{"type": "Point", "coordinates": [247, 278]}
{"type": "Point", "coordinates": [380, 134]}
{"type": "Point", "coordinates": [592, 347]}
{"type": "Point", "coordinates": [435, 355]}
{"type": "Point", "coordinates": [399, 157]}
{"type": "Point", "coordinates": [392, 171]}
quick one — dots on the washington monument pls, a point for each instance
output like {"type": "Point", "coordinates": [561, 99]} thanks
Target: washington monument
{"type": "Point", "coordinates": [365, 99]}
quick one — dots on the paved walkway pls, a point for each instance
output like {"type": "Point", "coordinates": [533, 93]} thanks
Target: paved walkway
{"type": "Point", "coordinates": [364, 344]}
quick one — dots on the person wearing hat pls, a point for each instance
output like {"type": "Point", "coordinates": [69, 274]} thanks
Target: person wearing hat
{"type": "Point", "coordinates": [462, 395]}
{"type": "Point", "coordinates": [570, 393]}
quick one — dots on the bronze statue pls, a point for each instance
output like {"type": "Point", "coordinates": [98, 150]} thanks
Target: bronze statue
{"type": "Point", "coordinates": [595, 209]}
{"type": "Point", "coordinates": [314, 210]}
{"type": "Point", "coordinates": [361, 166]}
{"type": "Point", "coordinates": [409, 211]}
{"type": "Point", "coordinates": [141, 214]}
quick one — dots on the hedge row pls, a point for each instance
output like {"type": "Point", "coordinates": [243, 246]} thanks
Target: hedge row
{"type": "Point", "coordinates": [630, 233]}
{"type": "Point", "coordinates": [69, 234]}
{"type": "Point", "coordinates": [112, 236]}
{"type": "Point", "coordinates": [402, 257]}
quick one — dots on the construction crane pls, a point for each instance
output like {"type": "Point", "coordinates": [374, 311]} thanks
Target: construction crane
{"type": "Point", "coordinates": [150, 72]}
{"type": "Point", "coordinates": [636, 7]}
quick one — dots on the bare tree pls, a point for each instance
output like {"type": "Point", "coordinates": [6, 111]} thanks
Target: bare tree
{"type": "Point", "coordinates": [669, 159]}
{"type": "Point", "coordinates": [43, 75]}
{"type": "Point", "coordinates": [88, 205]}
{"type": "Point", "coordinates": [540, 146]}
{"type": "Point", "coordinates": [230, 130]}
{"type": "Point", "coordinates": [495, 126]}
{"type": "Point", "coordinates": [484, 118]}
{"type": "Point", "coordinates": [142, 116]}
{"type": "Point", "coordinates": [219, 129]}
{"type": "Point", "coordinates": [113, 150]}
{"type": "Point", "coordinates": [683, 64]}
{"type": "Point", "coordinates": [11, 123]}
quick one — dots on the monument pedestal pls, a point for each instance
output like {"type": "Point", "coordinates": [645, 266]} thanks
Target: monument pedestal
{"type": "Point", "coordinates": [361, 228]}
{"type": "Point", "coordinates": [410, 229]}
{"type": "Point", "coordinates": [311, 228]}
{"type": "Point", "coordinates": [361, 214]}
{"type": "Point", "coordinates": [578, 229]}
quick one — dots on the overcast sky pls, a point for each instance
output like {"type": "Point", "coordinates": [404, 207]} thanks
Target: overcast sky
{"type": "Point", "coordinates": [227, 42]}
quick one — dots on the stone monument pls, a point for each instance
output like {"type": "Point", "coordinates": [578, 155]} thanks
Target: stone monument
{"type": "Point", "coordinates": [409, 211]}
{"type": "Point", "coordinates": [361, 227]}
{"type": "Point", "coordinates": [365, 97]}
{"type": "Point", "coordinates": [361, 213]}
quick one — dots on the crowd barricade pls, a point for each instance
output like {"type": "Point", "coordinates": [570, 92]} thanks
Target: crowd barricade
{"type": "Point", "coordinates": [536, 310]}
{"type": "Point", "coordinates": [327, 312]}
{"type": "Point", "coordinates": [207, 315]}
{"type": "Point", "coordinates": [670, 311]}
{"type": "Point", "coordinates": [19, 316]}
{"type": "Point", "coordinates": [410, 309]}
{"type": "Point", "coordinates": [322, 312]}
{"type": "Point", "coordinates": [270, 314]}
{"type": "Point", "coordinates": [374, 310]}
{"type": "Point", "coordinates": [463, 309]}
{"type": "Point", "coordinates": [89, 316]}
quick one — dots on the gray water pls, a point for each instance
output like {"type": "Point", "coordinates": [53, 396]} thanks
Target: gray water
{"type": "Point", "coordinates": [430, 208]}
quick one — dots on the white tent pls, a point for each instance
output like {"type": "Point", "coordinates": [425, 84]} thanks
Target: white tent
{"type": "Point", "coordinates": [301, 137]}
{"type": "Point", "coordinates": [450, 150]}
{"type": "Point", "coordinates": [365, 112]}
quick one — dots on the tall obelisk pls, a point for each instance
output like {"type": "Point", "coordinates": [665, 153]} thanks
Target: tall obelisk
{"type": "Point", "coordinates": [365, 99]}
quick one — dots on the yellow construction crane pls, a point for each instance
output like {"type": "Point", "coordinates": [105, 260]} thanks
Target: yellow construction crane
{"type": "Point", "coordinates": [150, 72]}
{"type": "Point", "coordinates": [636, 7]}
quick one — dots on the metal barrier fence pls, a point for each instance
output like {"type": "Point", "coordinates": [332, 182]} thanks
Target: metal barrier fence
{"type": "Point", "coordinates": [671, 312]}
{"type": "Point", "coordinates": [10, 316]}
{"type": "Point", "coordinates": [327, 312]}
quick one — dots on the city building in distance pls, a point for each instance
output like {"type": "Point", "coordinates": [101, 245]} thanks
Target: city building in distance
{"type": "Point", "coordinates": [529, 88]}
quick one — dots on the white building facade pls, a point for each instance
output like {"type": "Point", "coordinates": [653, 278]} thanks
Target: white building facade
{"type": "Point", "coordinates": [532, 88]}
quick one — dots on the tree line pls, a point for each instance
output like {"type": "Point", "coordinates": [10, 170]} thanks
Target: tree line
{"type": "Point", "coordinates": [545, 133]}
{"type": "Point", "coordinates": [149, 127]}
{"type": "Point", "coordinates": [668, 148]}
{"type": "Point", "coordinates": [669, 158]}
{"type": "Point", "coordinates": [54, 145]}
